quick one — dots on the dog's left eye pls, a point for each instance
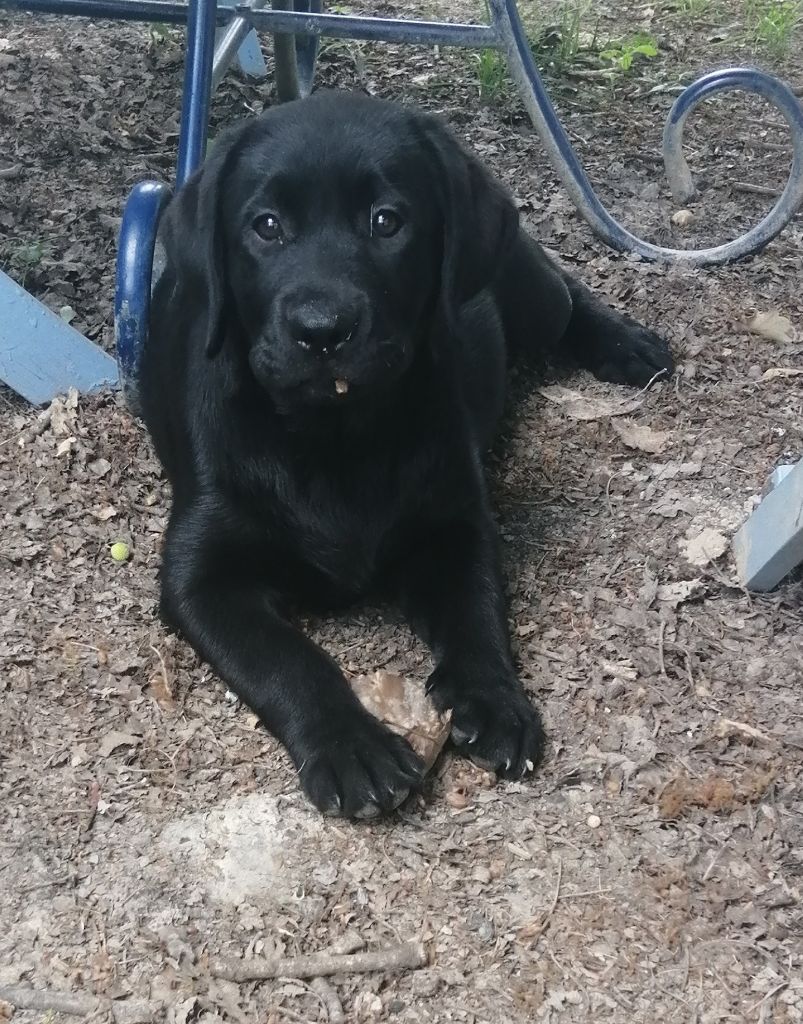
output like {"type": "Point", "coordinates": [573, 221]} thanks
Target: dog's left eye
{"type": "Point", "coordinates": [268, 227]}
{"type": "Point", "coordinates": [385, 222]}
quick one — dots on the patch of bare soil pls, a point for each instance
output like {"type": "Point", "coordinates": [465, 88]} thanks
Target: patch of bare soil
{"type": "Point", "coordinates": [652, 871]}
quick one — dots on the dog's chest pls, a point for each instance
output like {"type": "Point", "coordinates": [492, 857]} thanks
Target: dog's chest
{"type": "Point", "coordinates": [342, 523]}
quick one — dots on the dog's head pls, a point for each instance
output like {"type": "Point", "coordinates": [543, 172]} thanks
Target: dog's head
{"type": "Point", "coordinates": [327, 238]}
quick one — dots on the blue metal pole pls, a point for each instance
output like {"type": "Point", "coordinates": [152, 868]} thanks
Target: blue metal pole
{"type": "Point", "coordinates": [158, 11]}
{"type": "Point", "coordinates": [514, 40]}
{"type": "Point", "coordinates": [300, 23]}
{"type": "Point", "coordinates": [197, 87]}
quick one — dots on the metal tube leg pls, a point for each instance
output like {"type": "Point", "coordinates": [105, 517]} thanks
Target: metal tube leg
{"type": "Point", "coordinates": [197, 87]}
{"type": "Point", "coordinates": [135, 267]}
{"type": "Point", "coordinates": [514, 41]}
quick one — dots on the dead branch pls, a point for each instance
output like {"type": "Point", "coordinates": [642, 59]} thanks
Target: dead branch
{"type": "Point", "coordinates": [330, 999]}
{"type": "Point", "coordinates": [43, 999]}
{"type": "Point", "coordinates": [406, 956]}
{"type": "Point", "coordinates": [756, 190]}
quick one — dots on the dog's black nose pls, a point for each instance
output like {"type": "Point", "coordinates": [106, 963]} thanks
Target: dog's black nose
{"type": "Point", "coordinates": [322, 327]}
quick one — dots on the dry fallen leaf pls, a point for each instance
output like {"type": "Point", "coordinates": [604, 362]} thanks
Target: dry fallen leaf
{"type": "Point", "coordinates": [773, 325]}
{"type": "Point", "coordinates": [780, 371]}
{"type": "Point", "coordinates": [63, 413]}
{"type": "Point", "coordinates": [640, 436]}
{"type": "Point", "coordinates": [114, 739]}
{"type": "Point", "coordinates": [103, 512]}
{"type": "Point", "coordinates": [66, 446]}
{"type": "Point", "coordinates": [100, 467]}
{"type": "Point", "coordinates": [624, 670]}
{"type": "Point", "coordinates": [402, 705]}
{"type": "Point", "coordinates": [672, 470]}
{"type": "Point", "coordinates": [578, 406]}
{"type": "Point", "coordinates": [682, 218]}
{"type": "Point", "coordinates": [705, 546]}
{"type": "Point", "coordinates": [682, 590]}
{"type": "Point", "coordinates": [672, 504]}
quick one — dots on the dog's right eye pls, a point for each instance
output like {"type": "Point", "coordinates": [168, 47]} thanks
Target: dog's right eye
{"type": "Point", "coordinates": [267, 226]}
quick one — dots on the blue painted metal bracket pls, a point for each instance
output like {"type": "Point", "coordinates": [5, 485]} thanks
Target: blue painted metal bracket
{"type": "Point", "coordinates": [41, 356]}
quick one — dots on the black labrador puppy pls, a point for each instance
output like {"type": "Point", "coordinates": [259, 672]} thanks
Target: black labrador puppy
{"type": "Point", "coordinates": [344, 290]}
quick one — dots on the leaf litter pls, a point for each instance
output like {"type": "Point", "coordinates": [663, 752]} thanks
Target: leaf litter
{"type": "Point", "coordinates": [671, 919]}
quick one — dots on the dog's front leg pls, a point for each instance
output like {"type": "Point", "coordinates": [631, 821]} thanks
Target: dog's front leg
{"type": "Point", "coordinates": [216, 591]}
{"type": "Point", "coordinates": [452, 591]}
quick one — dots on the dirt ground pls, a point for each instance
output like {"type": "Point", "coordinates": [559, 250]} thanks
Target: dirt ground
{"type": "Point", "coordinates": [652, 871]}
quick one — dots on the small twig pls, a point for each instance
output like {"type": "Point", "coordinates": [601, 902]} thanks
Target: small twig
{"type": "Point", "coordinates": [407, 956]}
{"type": "Point", "coordinates": [768, 996]}
{"type": "Point", "coordinates": [661, 663]}
{"type": "Point", "coordinates": [585, 892]}
{"type": "Point", "coordinates": [122, 1011]}
{"type": "Point", "coordinates": [771, 147]}
{"type": "Point", "coordinates": [7, 173]}
{"type": "Point", "coordinates": [163, 671]}
{"type": "Point", "coordinates": [94, 800]}
{"type": "Point", "coordinates": [556, 897]}
{"type": "Point", "coordinates": [651, 381]}
{"type": "Point", "coordinates": [712, 864]}
{"type": "Point", "coordinates": [330, 999]}
{"type": "Point", "coordinates": [758, 190]}
{"type": "Point", "coordinates": [727, 726]}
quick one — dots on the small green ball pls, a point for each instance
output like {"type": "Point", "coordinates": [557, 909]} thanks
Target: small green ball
{"type": "Point", "coordinates": [120, 551]}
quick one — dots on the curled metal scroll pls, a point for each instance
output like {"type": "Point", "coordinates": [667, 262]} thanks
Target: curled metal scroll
{"type": "Point", "coordinates": [517, 48]}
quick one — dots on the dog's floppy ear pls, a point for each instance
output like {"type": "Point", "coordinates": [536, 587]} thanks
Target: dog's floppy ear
{"type": "Point", "coordinates": [480, 220]}
{"type": "Point", "coordinates": [194, 247]}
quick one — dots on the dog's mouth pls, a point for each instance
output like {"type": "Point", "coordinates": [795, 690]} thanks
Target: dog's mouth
{"type": "Point", "coordinates": [353, 377]}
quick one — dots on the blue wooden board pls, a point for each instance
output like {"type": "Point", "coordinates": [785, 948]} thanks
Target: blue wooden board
{"type": "Point", "coordinates": [41, 356]}
{"type": "Point", "coordinates": [770, 544]}
{"type": "Point", "coordinates": [250, 57]}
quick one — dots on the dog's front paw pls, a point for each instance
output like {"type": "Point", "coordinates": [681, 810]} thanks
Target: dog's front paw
{"type": "Point", "coordinates": [629, 353]}
{"type": "Point", "coordinates": [495, 725]}
{"type": "Point", "coordinates": [359, 769]}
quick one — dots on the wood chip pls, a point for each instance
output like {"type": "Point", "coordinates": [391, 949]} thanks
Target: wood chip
{"type": "Point", "coordinates": [640, 436]}
{"type": "Point", "coordinates": [579, 406]}
{"type": "Point", "coordinates": [773, 325]}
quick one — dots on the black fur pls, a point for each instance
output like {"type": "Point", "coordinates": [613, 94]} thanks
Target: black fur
{"type": "Point", "coordinates": [322, 399]}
